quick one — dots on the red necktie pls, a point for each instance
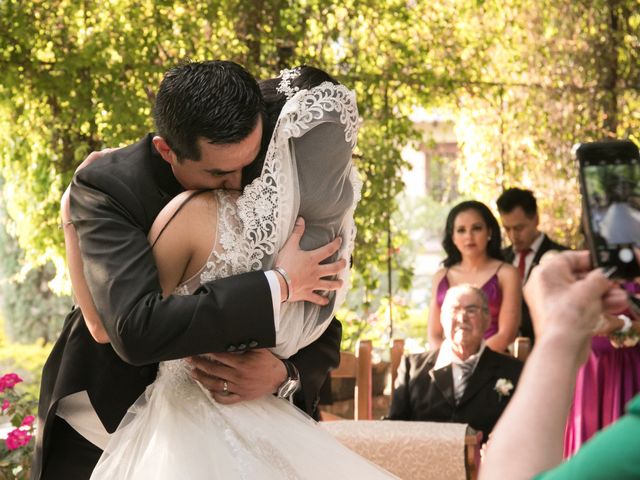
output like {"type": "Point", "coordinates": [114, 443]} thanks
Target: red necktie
{"type": "Point", "coordinates": [522, 262]}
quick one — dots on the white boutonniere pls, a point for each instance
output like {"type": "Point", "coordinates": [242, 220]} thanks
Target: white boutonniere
{"type": "Point", "coordinates": [503, 387]}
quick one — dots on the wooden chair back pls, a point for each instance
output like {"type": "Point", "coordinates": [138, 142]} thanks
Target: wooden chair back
{"type": "Point", "coordinates": [397, 350]}
{"type": "Point", "coordinates": [521, 348]}
{"type": "Point", "coordinates": [358, 366]}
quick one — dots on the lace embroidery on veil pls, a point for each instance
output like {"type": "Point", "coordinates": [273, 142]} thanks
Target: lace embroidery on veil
{"type": "Point", "coordinates": [268, 199]}
{"type": "Point", "coordinates": [268, 207]}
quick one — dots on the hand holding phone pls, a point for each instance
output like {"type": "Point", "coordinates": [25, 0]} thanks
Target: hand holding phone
{"type": "Point", "coordinates": [609, 181]}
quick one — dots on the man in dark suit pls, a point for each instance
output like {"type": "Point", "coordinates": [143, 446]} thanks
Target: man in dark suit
{"type": "Point", "coordinates": [519, 217]}
{"type": "Point", "coordinates": [464, 381]}
{"type": "Point", "coordinates": [209, 118]}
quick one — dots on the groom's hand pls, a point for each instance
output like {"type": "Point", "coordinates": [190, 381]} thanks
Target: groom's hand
{"type": "Point", "coordinates": [252, 374]}
{"type": "Point", "coordinates": [306, 274]}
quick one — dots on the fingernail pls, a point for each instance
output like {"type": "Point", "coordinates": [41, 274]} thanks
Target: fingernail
{"type": "Point", "coordinates": [299, 221]}
{"type": "Point", "coordinates": [609, 271]}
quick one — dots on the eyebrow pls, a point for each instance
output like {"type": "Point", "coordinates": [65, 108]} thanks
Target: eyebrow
{"type": "Point", "coordinates": [217, 171]}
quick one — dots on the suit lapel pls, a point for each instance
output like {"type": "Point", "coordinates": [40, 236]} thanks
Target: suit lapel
{"type": "Point", "coordinates": [508, 254]}
{"type": "Point", "coordinates": [482, 374]}
{"type": "Point", "coordinates": [545, 246]}
{"type": "Point", "coordinates": [443, 378]}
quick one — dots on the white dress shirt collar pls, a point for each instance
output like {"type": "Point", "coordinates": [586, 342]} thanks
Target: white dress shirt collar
{"type": "Point", "coordinates": [447, 357]}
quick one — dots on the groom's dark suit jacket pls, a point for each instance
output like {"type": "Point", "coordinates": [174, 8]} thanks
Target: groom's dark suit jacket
{"type": "Point", "coordinates": [114, 202]}
{"type": "Point", "coordinates": [424, 394]}
{"type": "Point", "coordinates": [526, 327]}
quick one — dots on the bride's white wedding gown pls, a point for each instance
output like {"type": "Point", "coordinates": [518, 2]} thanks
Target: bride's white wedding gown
{"type": "Point", "coordinates": [175, 430]}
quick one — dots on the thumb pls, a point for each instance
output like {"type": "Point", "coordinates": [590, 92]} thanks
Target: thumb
{"type": "Point", "coordinates": [595, 284]}
{"type": "Point", "coordinates": [298, 228]}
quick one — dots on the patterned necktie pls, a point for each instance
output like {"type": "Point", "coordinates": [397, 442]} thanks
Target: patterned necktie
{"type": "Point", "coordinates": [466, 369]}
{"type": "Point", "coordinates": [522, 261]}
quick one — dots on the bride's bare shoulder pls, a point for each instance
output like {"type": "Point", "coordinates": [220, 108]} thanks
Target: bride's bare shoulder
{"type": "Point", "coordinates": [185, 209]}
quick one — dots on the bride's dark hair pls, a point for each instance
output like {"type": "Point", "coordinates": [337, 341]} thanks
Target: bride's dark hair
{"type": "Point", "coordinates": [308, 77]}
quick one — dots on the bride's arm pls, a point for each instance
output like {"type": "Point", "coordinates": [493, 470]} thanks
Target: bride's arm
{"type": "Point", "coordinates": [76, 274]}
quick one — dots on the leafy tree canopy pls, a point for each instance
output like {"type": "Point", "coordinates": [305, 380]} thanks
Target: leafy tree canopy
{"type": "Point", "coordinates": [525, 79]}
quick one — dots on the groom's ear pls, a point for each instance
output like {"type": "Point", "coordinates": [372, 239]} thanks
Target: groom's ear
{"type": "Point", "coordinates": [164, 150]}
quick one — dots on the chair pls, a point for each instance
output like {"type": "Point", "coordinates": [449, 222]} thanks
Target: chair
{"type": "Point", "coordinates": [413, 450]}
{"type": "Point", "coordinates": [397, 350]}
{"type": "Point", "coordinates": [521, 348]}
{"type": "Point", "coordinates": [356, 366]}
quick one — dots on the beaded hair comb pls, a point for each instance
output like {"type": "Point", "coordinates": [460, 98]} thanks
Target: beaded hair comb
{"type": "Point", "coordinates": [285, 82]}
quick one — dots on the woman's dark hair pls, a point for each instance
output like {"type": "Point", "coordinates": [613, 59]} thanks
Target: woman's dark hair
{"type": "Point", "coordinates": [308, 77]}
{"type": "Point", "coordinates": [493, 247]}
{"type": "Point", "coordinates": [217, 100]}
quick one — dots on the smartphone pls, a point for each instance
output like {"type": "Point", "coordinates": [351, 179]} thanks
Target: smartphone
{"type": "Point", "coordinates": [609, 182]}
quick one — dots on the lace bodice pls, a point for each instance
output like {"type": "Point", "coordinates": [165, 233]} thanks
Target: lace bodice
{"type": "Point", "coordinates": [225, 259]}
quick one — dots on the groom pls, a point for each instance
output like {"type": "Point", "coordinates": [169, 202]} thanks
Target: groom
{"type": "Point", "coordinates": [209, 119]}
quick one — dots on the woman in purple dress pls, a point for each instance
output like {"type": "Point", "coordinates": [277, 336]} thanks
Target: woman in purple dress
{"type": "Point", "coordinates": [605, 383]}
{"type": "Point", "coordinates": [472, 245]}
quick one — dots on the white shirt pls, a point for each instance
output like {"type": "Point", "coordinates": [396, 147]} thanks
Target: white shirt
{"type": "Point", "coordinates": [535, 246]}
{"type": "Point", "coordinates": [77, 411]}
{"type": "Point", "coordinates": [447, 357]}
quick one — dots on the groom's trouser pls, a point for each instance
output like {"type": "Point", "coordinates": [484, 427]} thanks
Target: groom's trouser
{"type": "Point", "coordinates": [71, 456]}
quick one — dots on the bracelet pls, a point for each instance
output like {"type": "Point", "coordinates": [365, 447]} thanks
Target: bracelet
{"type": "Point", "coordinates": [287, 280]}
{"type": "Point", "coordinates": [627, 324]}
{"type": "Point", "coordinates": [65, 224]}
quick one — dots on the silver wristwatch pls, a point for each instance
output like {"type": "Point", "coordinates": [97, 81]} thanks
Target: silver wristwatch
{"type": "Point", "coordinates": [292, 384]}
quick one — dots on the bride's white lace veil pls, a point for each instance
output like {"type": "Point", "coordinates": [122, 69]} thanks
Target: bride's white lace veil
{"type": "Point", "coordinates": [307, 171]}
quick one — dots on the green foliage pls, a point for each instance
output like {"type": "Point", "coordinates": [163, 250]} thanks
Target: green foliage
{"type": "Point", "coordinates": [25, 359]}
{"type": "Point", "coordinates": [30, 308]}
{"type": "Point", "coordinates": [524, 80]}
{"type": "Point", "coordinates": [76, 76]}
{"type": "Point", "coordinates": [562, 72]}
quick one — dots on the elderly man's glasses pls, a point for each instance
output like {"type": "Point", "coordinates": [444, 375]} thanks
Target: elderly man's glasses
{"type": "Point", "coordinates": [471, 310]}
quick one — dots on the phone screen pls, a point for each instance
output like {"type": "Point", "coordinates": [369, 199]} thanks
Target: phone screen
{"type": "Point", "coordinates": [613, 206]}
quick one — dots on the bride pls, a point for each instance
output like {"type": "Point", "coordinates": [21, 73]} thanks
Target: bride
{"type": "Point", "coordinates": [175, 429]}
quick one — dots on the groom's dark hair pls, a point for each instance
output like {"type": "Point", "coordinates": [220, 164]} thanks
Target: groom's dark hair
{"type": "Point", "coordinates": [517, 197]}
{"type": "Point", "coordinates": [217, 100]}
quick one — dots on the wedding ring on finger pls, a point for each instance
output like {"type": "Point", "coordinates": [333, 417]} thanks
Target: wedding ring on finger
{"type": "Point", "coordinates": [225, 387]}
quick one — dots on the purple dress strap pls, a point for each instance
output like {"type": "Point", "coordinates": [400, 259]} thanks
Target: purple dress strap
{"type": "Point", "coordinates": [491, 289]}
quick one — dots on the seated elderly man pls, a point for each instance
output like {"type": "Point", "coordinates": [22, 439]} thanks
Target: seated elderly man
{"type": "Point", "coordinates": [464, 381]}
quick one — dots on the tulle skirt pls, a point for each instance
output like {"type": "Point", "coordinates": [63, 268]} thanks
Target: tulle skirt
{"type": "Point", "coordinates": [609, 379]}
{"type": "Point", "coordinates": [176, 431]}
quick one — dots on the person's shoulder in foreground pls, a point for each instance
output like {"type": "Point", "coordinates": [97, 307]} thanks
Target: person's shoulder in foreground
{"type": "Point", "coordinates": [618, 444]}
